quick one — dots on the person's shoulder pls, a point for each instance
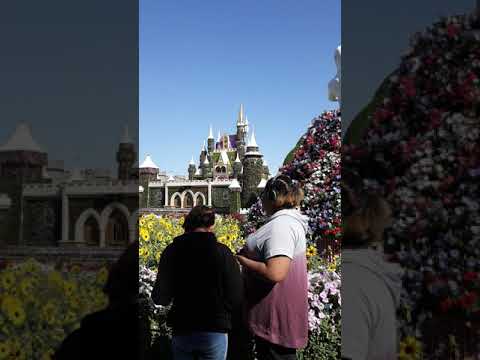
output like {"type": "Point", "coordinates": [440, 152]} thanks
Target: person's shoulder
{"type": "Point", "coordinates": [224, 249]}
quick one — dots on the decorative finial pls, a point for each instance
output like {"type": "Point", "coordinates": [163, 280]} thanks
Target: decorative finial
{"type": "Point", "coordinates": [191, 162]}
{"type": "Point", "coordinates": [241, 116]}
{"type": "Point", "coordinates": [210, 133]}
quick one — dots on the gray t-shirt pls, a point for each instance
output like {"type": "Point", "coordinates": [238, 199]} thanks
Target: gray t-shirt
{"type": "Point", "coordinates": [370, 297]}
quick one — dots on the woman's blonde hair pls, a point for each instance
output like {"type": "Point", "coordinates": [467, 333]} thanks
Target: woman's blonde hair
{"type": "Point", "coordinates": [283, 193]}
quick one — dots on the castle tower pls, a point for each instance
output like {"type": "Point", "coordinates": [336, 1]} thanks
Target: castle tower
{"type": "Point", "coordinates": [21, 158]}
{"type": "Point", "coordinates": [210, 141]}
{"type": "Point", "coordinates": [191, 170]}
{"type": "Point", "coordinates": [126, 155]}
{"type": "Point", "coordinates": [253, 172]}
{"type": "Point", "coordinates": [237, 167]}
{"type": "Point", "coordinates": [206, 169]}
{"type": "Point", "coordinates": [242, 130]}
{"type": "Point", "coordinates": [147, 171]}
{"type": "Point", "coordinates": [235, 200]}
{"type": "Point", "coordinates": [266, 170]}
{"type": "Point", "coordinates": [203, 154]}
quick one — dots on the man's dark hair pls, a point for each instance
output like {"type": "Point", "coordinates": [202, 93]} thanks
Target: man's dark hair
{"type": "Point", "coordinates": [199, 216]}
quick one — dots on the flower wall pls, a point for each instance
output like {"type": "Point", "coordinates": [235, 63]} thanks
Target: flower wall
{"type": "Point", "coordinates": [421, 149]}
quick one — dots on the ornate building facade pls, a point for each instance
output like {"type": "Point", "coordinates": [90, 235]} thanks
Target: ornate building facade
{"type": "Point", "coordinates": [43, 205]}
{"type": "Point", "coordinates": [229, 175]}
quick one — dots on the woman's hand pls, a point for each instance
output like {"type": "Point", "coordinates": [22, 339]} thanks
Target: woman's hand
{"type": "Point", "coordinates": [275, 270]}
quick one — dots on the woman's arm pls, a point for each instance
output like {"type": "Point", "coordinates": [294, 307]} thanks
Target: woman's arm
{"type": "Point", "coordinates": [274, 270]}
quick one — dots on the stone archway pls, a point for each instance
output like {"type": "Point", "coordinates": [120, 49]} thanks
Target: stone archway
{"type": "Point", "coordinates": [199, 199]}
{"type": "Point", "coordinates": [117, 225]}
{"type": "Point", "coordinates": [86, 225]}
{"type": "Point", "coordinates": [176, 200]}
{"type": "Point", "coordinates": [188, 199]}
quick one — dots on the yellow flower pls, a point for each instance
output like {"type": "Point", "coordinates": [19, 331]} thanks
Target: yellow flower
{"type": "Point", "coordinates": [311, 251]}
{"type": "Point", "coordinates": [27, 286]}
{"type": "Point", "coordinates": [8, 279]}
{"type": "Point", "coordinates": [410, 349]}
{"type": "Point", "coordinates": [102, 276]}
{"type": "Point", "coordinates": [55, 279]}
{"type": "Point", "coordinates": [141, 221]}
{"type": "Point", "coordinates": [69, 318]}
{"type": "Point", "coordinates": [13, 309]}
{"type": "Point", "coordinates": [48, 313]}
{"type": "Point", "coordinates": [70, 288]}
{"type": "Point", "coordinates": [145, 235]}
{"type": "Point", "coordinates": [4, 349]}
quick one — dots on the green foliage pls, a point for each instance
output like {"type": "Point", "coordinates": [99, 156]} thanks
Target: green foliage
{"type": "Point", "coordinates": [322, 345]}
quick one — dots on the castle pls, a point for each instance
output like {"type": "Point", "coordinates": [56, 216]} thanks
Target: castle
{"type": "Point", "coordinates": [230, 174]}
{"type": "Point", "coordinates": [45, 207]}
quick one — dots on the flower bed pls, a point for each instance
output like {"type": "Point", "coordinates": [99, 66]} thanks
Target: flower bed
{"type": "Point", "coordinates": [156, 232]}
{"type": "Point", "coordinates": [40, 305]}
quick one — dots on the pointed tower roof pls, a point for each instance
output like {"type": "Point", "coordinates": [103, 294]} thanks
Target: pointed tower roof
{"type": "Point", "coordinates": [224, 157]}
{"type": "Point", "coordinates": [210, 133]}
{"type": "Point", "coordinates": [262, 184]}
{"type": "Point", "coordinates": [237, 160]}
{"type": "Point", "coordinates": [252, 142]}
{"type": "Point", "coordinates": [235, 185]}
{"type": "Point", "coordinates": [191, 162]}
{"type": "Point", "coordinates": [206, 162]}
{"type": "Point", "coordinates": [204, 147]}
{"type": "Point", "coordinates": [241, 116]}
{"type": "Point", "coordinates": [126, 139]}
{"type": "Point", "coordinates": [22, 139]}
{"type": "Point", "coordinates": [148, 163]}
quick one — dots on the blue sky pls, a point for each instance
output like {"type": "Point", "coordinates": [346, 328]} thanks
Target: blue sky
{"type": "Point", "coordinates": [200, 59]}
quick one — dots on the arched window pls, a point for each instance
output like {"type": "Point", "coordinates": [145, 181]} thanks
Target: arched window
{"type": "Point", "coordinates": [177, 202]}
{"type": "Point", "coordinates": [188, 200]}
{"type": "Point", "coordinates": [91, 232]}
{"type": "Point", "coordinates": [199, 200]}
{"type": "Point", "coordinates": [117, 229]}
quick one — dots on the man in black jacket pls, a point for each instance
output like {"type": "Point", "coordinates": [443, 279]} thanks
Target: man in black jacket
{"type": "Point", "coordinates": [202, 278]}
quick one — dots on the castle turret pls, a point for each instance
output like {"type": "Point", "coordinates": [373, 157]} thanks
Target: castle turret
{"type": "Point", "coordinates": [147, 171]}
{"type": "Point", "coordinates": [126, 156]}
{"type": "Point", "coordinates": [191, 169]}
{"type": "Point", "coordinates": [206, 169]}
{"type": "Point", "coordinates": [252, 172]}
{"type": "Point", "coordinates": [266, 170]}
{"type": "Point", "coordinates": [21, 158]}
{"type": "Point", "coordinates": [242, 130]}
{"type": "Point", "coordinates": [235, 200]}
{"type": "Point", "coordinates": [237, 167]}
{"type": "Point", "coordinates": [210, 141]}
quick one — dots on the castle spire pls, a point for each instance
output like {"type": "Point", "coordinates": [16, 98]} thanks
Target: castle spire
{"type": "Point", "coordinates": [241, 116]}
{"type": "Point", "coordinates": [191, 162]}
{"type": "Point", "coordinates": [237, 160]}
{"type": "Point", "coordinates": [252, 142]}
{"type": "Point", "coordinates": [210, 133]}
{"type": "Point", "coordinates": [126, 136]}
